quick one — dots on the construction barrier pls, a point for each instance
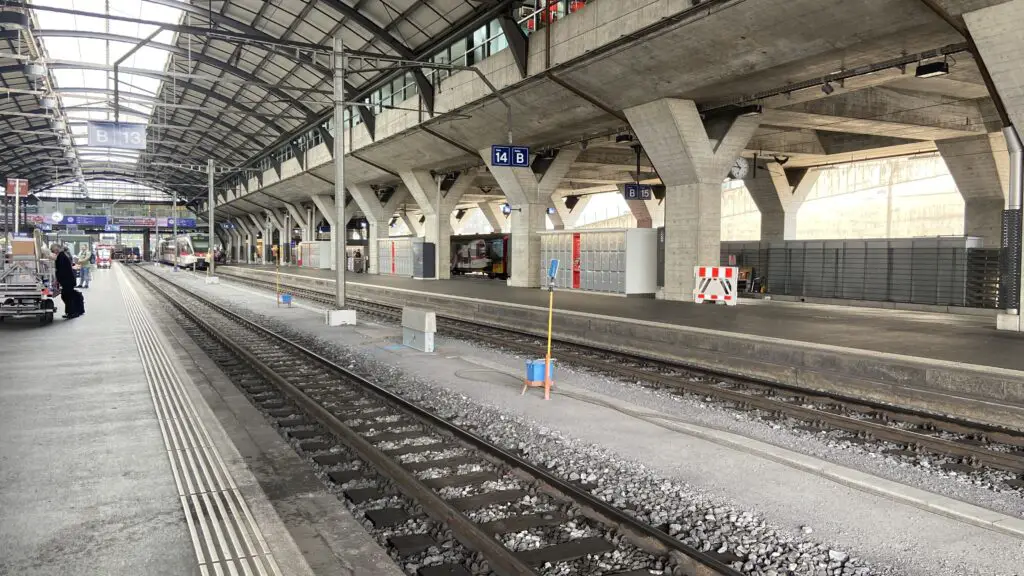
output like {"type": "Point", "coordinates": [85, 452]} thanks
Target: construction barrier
{"type": "Point", "coordinates": [715, 283]}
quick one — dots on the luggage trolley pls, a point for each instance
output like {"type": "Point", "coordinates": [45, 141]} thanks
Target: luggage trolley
{"type": "Point", "coordinates": [26, 282]}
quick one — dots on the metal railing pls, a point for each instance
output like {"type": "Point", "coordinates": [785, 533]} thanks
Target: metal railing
{"type": "Point", "coordinates": [929, 275]}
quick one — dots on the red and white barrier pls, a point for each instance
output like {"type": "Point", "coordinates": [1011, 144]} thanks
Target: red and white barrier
{"type": "Point", "coordinates": [715, 283]}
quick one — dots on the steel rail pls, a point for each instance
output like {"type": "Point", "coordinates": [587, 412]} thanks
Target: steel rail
{"type": "Point", "coordinates": [500, 558]}
{"type": "Point", "coordinates": [692, 561]}
{"type": "Point", "coordinates": [974, 454]}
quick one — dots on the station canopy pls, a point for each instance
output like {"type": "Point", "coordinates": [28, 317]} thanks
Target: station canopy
{"type": "Point", "coordinates": [228, 80]}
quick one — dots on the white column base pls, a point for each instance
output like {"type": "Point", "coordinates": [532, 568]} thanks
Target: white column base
{"type": "Point", "coordinates": [212, 280]}
{"type": "Point", "coordinates": [1009, 322]}
{"type": "Point", "coordinates": [341, 317]}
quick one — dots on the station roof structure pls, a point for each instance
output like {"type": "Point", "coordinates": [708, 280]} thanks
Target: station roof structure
{"type": "Point", "coordinates": [226, 80]}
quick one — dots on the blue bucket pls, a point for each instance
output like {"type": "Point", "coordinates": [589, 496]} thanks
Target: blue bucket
{"type": "Point", "coordinates": [535, 370]}
{"type": "Point", "coordinates": [287, 299]}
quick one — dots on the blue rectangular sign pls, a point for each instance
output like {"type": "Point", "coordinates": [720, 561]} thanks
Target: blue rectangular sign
{"type": "Point", "coordinates": [638, 192]}
{"type": "Point", "coordinates": [510, 156]}
{"type": "Point", "coordinates": [520, 157]}
{"type": "Point", "coordinates": [112, 228]}
{"type": "Point", "coordinates": [85, 220]}
{"type": "Point", "coordinates": [553, 268]}
{"type": "Point", "coordinates": [501, 155]}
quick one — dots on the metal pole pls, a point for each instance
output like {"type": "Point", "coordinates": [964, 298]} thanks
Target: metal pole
{"type": "Point", "coordinates": [209, 251]}
{"type": "Point", "coordinates": [17, 206]}
{"type": "Point", "coordinates": [338, 232]}
{"type": "Point", "coordinates": [174, 232]}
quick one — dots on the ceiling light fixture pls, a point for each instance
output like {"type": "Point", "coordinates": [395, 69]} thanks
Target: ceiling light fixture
{"type": "Point", "coordinates": [932, 69]}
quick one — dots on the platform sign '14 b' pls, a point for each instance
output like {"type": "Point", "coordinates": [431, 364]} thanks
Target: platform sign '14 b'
{"type": "Point", "coordinates": [510, 156]}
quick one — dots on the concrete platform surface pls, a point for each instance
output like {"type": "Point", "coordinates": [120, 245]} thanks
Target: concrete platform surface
{"type": "Point", "coordinates": [956, 338]}
{"type": "Point", "coordinates": [88, 410]}
{"type": "Point", "coordinates": [85, 483]}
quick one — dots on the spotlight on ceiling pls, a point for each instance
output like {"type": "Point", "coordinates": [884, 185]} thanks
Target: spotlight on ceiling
{"type": "Point", "coordinates": [932, 69]}
{"type": "Point", "coordinates": [423, 219]}
{"type": "Point", "coordinates": [571, 201]}
{"type": "Point", "coordinates": [35, 71]}
{"type": "Point", "coordinates": [753, 110]}
{"type": "Point", "coordinates": [394, 220]}
{"type": "Point", "coordinates": [623, 138]}
{"type": "Point", "coordinates": [506, 208]}
{"type": "Point", "coordinates": [459, 214]}
{"type": "Point", "coordinates": [551, 210]}
{"type": "Point", "coordinates": [827, 88]}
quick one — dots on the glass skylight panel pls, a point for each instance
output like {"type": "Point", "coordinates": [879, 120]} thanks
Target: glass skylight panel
{"type": "Point", "coordinates": [87, 93]}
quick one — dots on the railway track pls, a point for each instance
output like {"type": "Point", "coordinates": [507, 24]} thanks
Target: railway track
{"type": "Point", "coordinates": [442, 500]}
{"type": "Point", "coordinates": [970, 444]}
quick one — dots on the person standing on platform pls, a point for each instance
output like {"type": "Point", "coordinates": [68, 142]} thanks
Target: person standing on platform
{"type": "Point", "coordinates": [66, 278]}
{"type": "Point", "coordinates": [86, 259]}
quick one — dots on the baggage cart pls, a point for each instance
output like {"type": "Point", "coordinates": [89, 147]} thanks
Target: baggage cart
{"type": "Point", "coordinates": [26, 282]}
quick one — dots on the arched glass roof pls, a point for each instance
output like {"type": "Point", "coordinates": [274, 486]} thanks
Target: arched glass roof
{"type": "Point", "coordinates": [224, 80]}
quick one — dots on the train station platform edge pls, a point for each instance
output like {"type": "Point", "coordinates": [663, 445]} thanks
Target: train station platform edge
{"type": "Point", "coordinates": [114, 454]}
{"type": "Point", "coordinates": [963, 339]}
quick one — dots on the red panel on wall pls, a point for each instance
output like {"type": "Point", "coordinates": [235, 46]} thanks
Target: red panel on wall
{"type": "Point", "coordinates": [576, 260]}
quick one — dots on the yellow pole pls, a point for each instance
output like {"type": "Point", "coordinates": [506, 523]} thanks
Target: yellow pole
{"type": "Point", "coordinates": [547, 357]}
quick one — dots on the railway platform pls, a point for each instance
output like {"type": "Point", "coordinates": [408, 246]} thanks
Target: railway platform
{"type": "Point", "coordinates": [882, 520]}
{"type": "Point", "coordinates": [940, 363]}
{"type": "Point", "coordinates": [124, 453]}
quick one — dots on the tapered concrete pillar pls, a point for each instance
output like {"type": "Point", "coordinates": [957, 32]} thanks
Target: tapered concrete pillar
{"type": "Point", "coordinates": [529, 193]}
{"type": "Point", "coordinates": [996, 31]}
{"type": "Point", "coordinates": [236, 245]}
{"type": "Point", "coordinates": [564, 217]}
{"type": "Point", "coordinates": [693, 158]}
{"type": "Point", "coordinates": [492, 212]}
{"type": "Point", "coordinates": [378, 216]}
{"type": "Point", "coordinates": [778, 194]}
{"type": "Point", "coordinates": [437, 206]}
{"type": "Point", "coordinates": [640, 209]}
{"type": "Point", "coordinates": [412, 222]}
{"type": "Point", "coordinates": [325, 204]}
{"type": "Point", "coordinates": [301, 219]}
{"type": "Point", "coordinates": [972, 163]}
{"type": "Point", "coordinates": [250, 238]}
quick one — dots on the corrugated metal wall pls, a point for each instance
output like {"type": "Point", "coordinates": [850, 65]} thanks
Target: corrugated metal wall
{"type": "Point", "coordinates": [937, 271]}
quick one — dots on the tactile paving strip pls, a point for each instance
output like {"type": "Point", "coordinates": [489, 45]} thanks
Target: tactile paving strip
{"type": "Point", "coordinates": [225, 536]}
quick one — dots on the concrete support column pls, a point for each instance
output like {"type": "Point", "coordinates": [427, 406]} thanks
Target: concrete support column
{"type": "Point", "coordinates": [568, 217]}
{"type": "Point", "coordinates": [437, 206]}
{"type": "Point", "coordinates": [972, 163]}
{"type": "Point", "coordinates": [378, 217]}
{"type": "Point", "coordinates": [236, 245]}
{"type": "Point", "coordinates": [996, 33]}
{"type": "Point", "coordinates": [555, 218]}
{"type": "Point", "coordinates": [492, 212]}
{"type": "Point", "coordinates": [778, 194]}
{"type": "Point", "coordinates": [325, 204]}
{"type": "Point", "coordinates": [412, 222]}
{"type": "Point", "coordinates": [250, 238]}
{"type": "Point", "coordinates": [529, 195]}
{"type": "Point", "coordinates": [693, 158]}
{"type": "Point", "coordinates": [301, 219]}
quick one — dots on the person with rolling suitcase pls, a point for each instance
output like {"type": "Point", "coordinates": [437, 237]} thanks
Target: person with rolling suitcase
{"type": "Point", "coordinates": [74, 304]}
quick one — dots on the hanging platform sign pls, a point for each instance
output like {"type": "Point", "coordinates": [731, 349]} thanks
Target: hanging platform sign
{"type": "Point", "coordinates": [510, 156]}
{"type": "Point", "coordinates": [117, 135]}
{"type": "Point", "coordinates": [17, 187]}
{"type": "Point", "coordinates": [638, 192]}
